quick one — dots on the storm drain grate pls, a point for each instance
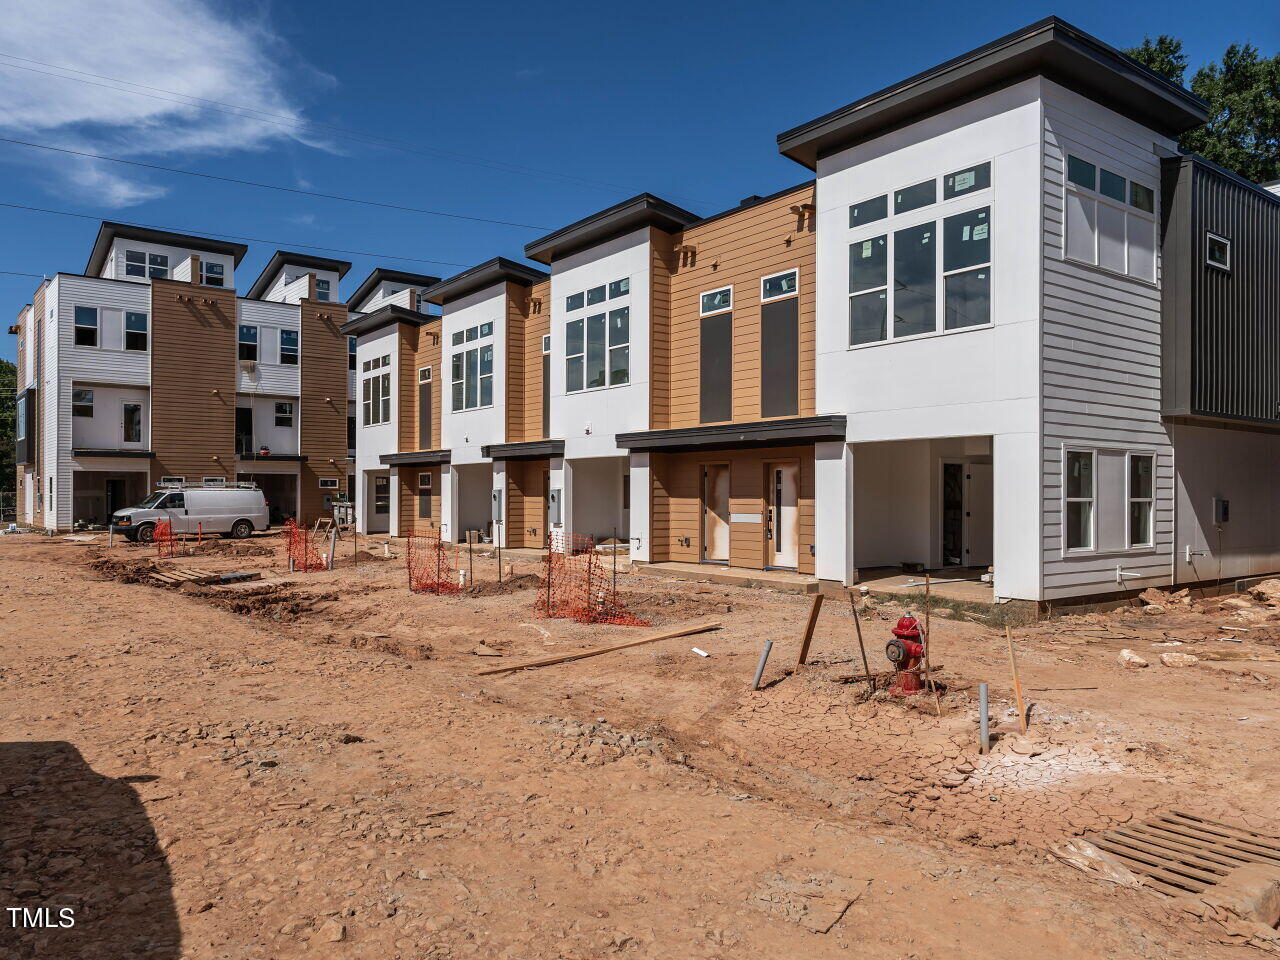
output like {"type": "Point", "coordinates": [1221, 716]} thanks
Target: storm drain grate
{"type": "Point", "coordinates": [1178, 853]}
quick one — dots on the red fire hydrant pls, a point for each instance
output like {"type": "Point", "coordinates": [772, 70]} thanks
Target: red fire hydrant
{"type": "Point", "coordinates": [905, 651]}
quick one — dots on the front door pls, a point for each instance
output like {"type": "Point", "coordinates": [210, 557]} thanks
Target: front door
{"type": "Point", "coordinates": [244, 431]}
{"type": "Point", "coordinates": [952, 514]}
{"type": "Point", "coordinates": [782, 528]}
{"type": "Point", "coordinates": [115, 495]}
{"type": "Point", "coordinates": [978, 516]}
{"type": "Point", "coordinates": [715, 513]}
{"type": "Point", "coordinates": [131, 425]}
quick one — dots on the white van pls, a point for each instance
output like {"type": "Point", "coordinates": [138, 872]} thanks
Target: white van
{"type": "Point", "coordinates": [235, 510]}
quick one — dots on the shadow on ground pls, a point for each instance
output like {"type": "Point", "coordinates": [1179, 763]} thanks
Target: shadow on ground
{"type": "Point", "coordinates": [73, 840]}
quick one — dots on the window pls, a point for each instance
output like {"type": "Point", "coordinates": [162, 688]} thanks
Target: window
{"type": "Point", "coordinates": [135, 263]}
{"type": "Point", "coordinates": [351, 433]}
{"type": "Point", "coordinates": [966, 181]}
{"type": "Point", "coordinates": [915, 197]}
{"type": "Point", "coordinates": [1141, 498]}
{"type": "Point", "coordinates": [619, 288]}
{"type": "Point", "coordinates": [328, 483]}
{"type": "Point", "coordinates": [289, 347]}
{"type": "Point", "coordinates": [214, 481]}
{"type": "Point", "coordinates": [135, 331]}
{"type": "Point", "coordinates": [1110, 220]}
{"type": "Point", "coordinates": [322, 290]}
{"type": "Point", "coordinates": [424, 375]}
{"type": "Point", "coordinates": [165, 481]}
{"type": "Point", "coordinates": [1078, 490]}
{"type": "Point", "coordinates": [574, 301]}
{"type": "Point", "coordinates": [424, 496]}
{"type": "Point", "coordinates": [1217, 251]}
{"type": "Point", "coordinates": [82, 403]}
{"type": "Point", "coordinates": [966, 245]}
{"type": "Point", "coordinates": [458, 337]}
{"type": "Point", "coordinates": [546, 343]}
{"type": "Point", "coordinates": [486, 330]}
{"type": "Point", "coordinates": [248, 339]}
{"type": "Point", "coordinates": [86, 327]}
{"type": "Point", "coordinates": [619, 346]}
{"type": "Point", "coordinates": [869, 290]}
{"type": "Point", "coordinates": [158, 266]}
{"type": "Point", "coordinates": [715, 301]}
{"type": "Point", "coordinates": [284, 413]}
{"type": "Point", "coordinates": [869, 211]}
{"type": "Point", "coordinates": [212, 274]}
{"type": "Point", "coordinates": [174, 501]}
{"type": "Point", "coordinates": [595, 295]}
{"type": "Point", "coordinates": [351, 353]}
{"type": "Point", "coordinates": [915, 286]}
{"type": "Point", "coordinates": [20, 422]}
{"type": "Point", "coordinates": [779, 285]}
{"type": "Point", "coordinates": [472, 378]}
{"type": "Point", "coordinates": [376, 393]}
{"type": "Point", "coordinates": [131, 423]}
{"type": "Point", "coordinates": [597, 351]}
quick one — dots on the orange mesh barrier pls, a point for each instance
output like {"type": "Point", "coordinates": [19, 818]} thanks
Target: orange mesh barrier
{"type": "Point", "coordinates": [580, 585]}
{"type": "Point", "coordinates": [166, 546]}
{"type": "Point", "coordinates": [303, 548]}
{"type": "Point", "coordinates": [432, 565]}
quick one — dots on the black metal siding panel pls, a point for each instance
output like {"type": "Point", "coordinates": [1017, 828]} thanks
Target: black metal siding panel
{"type": "Point", "coordinates": [780, 358]}
{"type": "Point", "coordinates": [1235, 315]}
{"type": "Point", "coordinates": [715, 368]}
{"type": "Point", "coordinates": [1176, 268]}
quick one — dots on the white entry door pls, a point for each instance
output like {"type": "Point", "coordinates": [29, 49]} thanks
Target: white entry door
{"type": "Point", "coordinates": [978, 514]}
{"type": "Point", "coordinates": [784, 514]}
{"type": "Point", "coordinates": [715, 513]}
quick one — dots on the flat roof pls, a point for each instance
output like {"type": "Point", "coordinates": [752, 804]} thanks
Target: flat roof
{"type": "Point", "coordinates": [1050, 47]}
{"type": "Point", "coordinates": [644, 210]}
{"type": "Point", "coordinates": [110, 231]}
{"type": "Point", "coordinates": [381, 274]}
{"type": "Point", "coordinates": [383, 316]}
{"type": "Point", "coordinates": [281, 258]}
{"type": "Point", "coordinates": [497, 270]}
{"type": "Point", "coordinates": [721, 436]}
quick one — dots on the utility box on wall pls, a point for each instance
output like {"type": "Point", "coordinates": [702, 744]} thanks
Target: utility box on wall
{"type": "Point", "coordinates": [496, 498]}
{"type": "Point", "coordinates": [553, 506]}
{"type": "Point", "coordinates": [1221, 510]}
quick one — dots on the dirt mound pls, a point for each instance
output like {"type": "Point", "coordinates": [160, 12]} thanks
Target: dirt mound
{"type": "Point", "coordinates": [396, 646]}
{"type": "Point", "coordinates": [238, 548]}
{"type": "Point", "coordinates": [270, 602]}
{"type": "Point", "coordinates": [126, 570]}
{"type": "Point", "coordinates": [492, 588]}
{"type": "Point", "coordinates": [667, 607]}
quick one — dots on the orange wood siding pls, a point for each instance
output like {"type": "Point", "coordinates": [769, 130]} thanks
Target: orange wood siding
{"type": "Point", "coordinates": [516, 349]}
{"type": "Point", "coordinates": [322, 437]}
{"type": "Point", "coordinates": [537, 326]}
{"type": "Point", "coordinates": [738, 249]}
{"type": "Point", "coordinates": [526, 503]}
{"type": "Point", "coordinates": [428, 353]}
{"type": "Point", "coordinates": [676, 504]}
{"type": "Point", "coordinates": [662, 264]}
{"type": "Point", "coordinates": [406, 388]}
{"type": "Point", "coordinates": [193, 381]}
{"type": "Point", "coordinates": [409, 523]}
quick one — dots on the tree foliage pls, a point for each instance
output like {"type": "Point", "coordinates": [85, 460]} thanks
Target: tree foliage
{"type": "Point", "coordinates": [1243, 93]}
{"type": "Point", "coordinates": [8, 413]}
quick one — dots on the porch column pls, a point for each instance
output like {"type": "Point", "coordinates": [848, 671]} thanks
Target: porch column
{"type": "Point", "coordinates": [562, 481]}
{"type": "Point", "coordinates": [498, 500]}
{"type": "Point", "coordinates": [449, 503]}
{"type": "Point", "coordinates": [362, 502]}
{"type": "Point", "coordinates": [833, 512]}
{"type": "Point", "coordinates": [1017, 524]}
{"type": "Point", "coordinates": [640, 507]}
{"type": "Point", "coordinates": [393, 518]}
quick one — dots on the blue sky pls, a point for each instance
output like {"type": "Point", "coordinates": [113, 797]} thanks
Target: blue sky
{"type": "Point", "coordinates": [509, 111]}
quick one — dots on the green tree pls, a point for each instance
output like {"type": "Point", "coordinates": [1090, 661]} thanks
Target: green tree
{"type": "Point", "coordinates": [1243, 93]}
{"type": "Point", "coordinates": [8, 412]}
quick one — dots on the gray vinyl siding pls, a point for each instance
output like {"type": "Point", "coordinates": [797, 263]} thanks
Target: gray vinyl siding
{"type": "Point", "coordinates": [270, 377]}
{"type": "Point", "coordinates": [1100, 359]}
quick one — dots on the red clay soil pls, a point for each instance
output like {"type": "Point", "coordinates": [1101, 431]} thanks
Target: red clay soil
{"type": "Point", "coordinates": [309, 765]}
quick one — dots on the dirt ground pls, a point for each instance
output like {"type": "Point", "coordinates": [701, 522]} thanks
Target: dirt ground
{"type": "Point", "coordinates": [308, 765]}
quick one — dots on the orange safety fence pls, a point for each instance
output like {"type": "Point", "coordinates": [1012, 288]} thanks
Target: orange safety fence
{"type": "Point", "coordinates": [166, 546]}
{"type": "Point", "coordinates": [303, 548]}
{"type": "Point", "coordinates": [580, 584]}
{"type": "Point", "coordinates": [432, 565]}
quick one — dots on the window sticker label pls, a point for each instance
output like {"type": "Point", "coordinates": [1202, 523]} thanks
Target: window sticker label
{"type": "Point", "coordinates": [981, 230]}
{"type": "Point", "coordinates": [866, 249]}
{"type": "Point", "coordinates": [964, 180]}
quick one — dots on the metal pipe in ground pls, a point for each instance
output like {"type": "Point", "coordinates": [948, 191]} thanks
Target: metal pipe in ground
{"type": "Point", "coordinates": [984, 730]}
{"type": "Point", "coordinates": [764, 657]}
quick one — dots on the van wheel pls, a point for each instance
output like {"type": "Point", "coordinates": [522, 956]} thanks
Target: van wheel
{"type": "Point", "coordinates": [241, 530]}
{"type": "Point", "coordinates": [145, 533]}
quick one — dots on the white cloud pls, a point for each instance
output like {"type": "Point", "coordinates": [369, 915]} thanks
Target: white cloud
{"type": "Point", "coordinates": [194, 49]}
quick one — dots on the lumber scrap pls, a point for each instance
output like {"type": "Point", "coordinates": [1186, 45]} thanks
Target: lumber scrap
{"type": "Point", "coordinates": [583, 654]}
{"type": "Point", "coordinates": [814, 609]}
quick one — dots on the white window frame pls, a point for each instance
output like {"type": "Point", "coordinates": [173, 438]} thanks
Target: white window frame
{"type": "Point", "coordinates": [205, 274]}
{"type": "Point", "coordinates": [472, 346]}
{"type": "Point", "coordinates": [125, 331]}
{"type": "Point", "coordinates": [546, 343]}
{"type": "Point", "coordinates": [169, 481]}
{"type": "Point", "coordinates": [424, 374]}
{"type": "Point", "coordinates": [256, 344]}
{"type": "Point", "coordinates": [777, 296]}
{"type": "Point", "coordinates": [157, 271]}
{"type": "Point", "coordinates": [1130, 499]}
{"type": "Point", "coordinates": [351, 353]}
{"type": "Point", "coordinates": [142, 431]}
{"type": "Point", "coordinates": [325, 293]}
{"type": "Point", "coordinates": [1096, 196]}
{"type": "Point", "coordinates": [1092, 500]}
{"type": "Point", "coordinates": [1209, 237]}
{"type": "Point", "coordinates": [288, 414]}
{"type": "Point", "coordinates": [295, 352]}
{"type": "Point", "coordinates": [89, 391]}
{"type": "Point", "coordinates": [608, 307]}
{"type": "Point", "coordinates": [328, 483]}
{"type": "Point", "coordinates": [214, 481]}
{"type": "Point", "coordinates": [96, 328]}
{"type": "Point", "coordinates": [141, 265]}
{"type": "Point", "coordinates": [375, 395]}
{"type": "Point", "coordinates": [717, 310]}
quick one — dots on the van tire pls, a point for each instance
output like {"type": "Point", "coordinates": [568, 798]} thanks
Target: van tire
{"type": "Point", "coordinates": [145, 533]}
{"type": "Point", "coordinates": [241, 530]}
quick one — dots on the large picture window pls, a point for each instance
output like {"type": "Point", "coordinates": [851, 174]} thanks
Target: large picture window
{"type": "Point", "coordinates": [1110, 220]}
{"type": "Point", "coordinates": [375, 396]}
{"type": "Point", "coordinates": [473, 378]}
{"type": "Point", "coordinates": [598, 346]}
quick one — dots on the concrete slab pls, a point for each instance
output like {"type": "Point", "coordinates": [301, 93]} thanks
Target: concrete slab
{"type": "Point", "coordinates": [787, 580]}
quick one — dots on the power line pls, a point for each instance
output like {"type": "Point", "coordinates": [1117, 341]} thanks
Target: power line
{"type": "Point", "coordinates": [14, 273]}
{"type": "Point", "coordinates": [346, 132]}
{"type": "Point", "coordinates": [269, 186]}
{"type": "Point", "coordinates": [233, 236]}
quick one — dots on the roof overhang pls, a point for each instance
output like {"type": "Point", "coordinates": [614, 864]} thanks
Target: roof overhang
{"type": "Point", "coordinates": [282, 258]}
{"type": "Point", "coordinates": [1051, 48]}
{"type": "Point", "coordinates": [110, 231]}
{"type": "Point", "coordinates": [383, 275]}
{"type": "Point", "coordinates": [644, 210]}
{"type": "Point", "coordinates": [78, 452]}
{"type": "Point", "coordinates": [384, 316]}
{"type": "Point", "coordinates": [415, 458]}
{"type": "Point", "coordinates": [722, 436]}
{"type": "Point", "coordinates": [487, 274]}
{"type": "Point", "coordinates": [529, 450]}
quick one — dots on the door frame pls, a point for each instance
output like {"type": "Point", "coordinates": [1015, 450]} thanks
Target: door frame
{"type": "Point", "coordinates": [702, 511]}
{"type": "Point", "coordinates": [966, 465]}
{"type": "Point", "coordinates": [766, 502]}
{"type": "Point", "coordinates": [141, 442]}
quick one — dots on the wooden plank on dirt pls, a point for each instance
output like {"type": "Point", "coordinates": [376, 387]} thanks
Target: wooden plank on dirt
{"type": "Point", "coordinates": [1254, 853]}
{"type": "Point", "coordinates": [1167, 856]}
{"type": "Point", "coordinates": [583, 654]}
{"type": "Point", "coordinates": [1223, 832]}
{"type": "Point", "coordinates": [1179, 845]}
{"type": "Point", "coordinates": [814, 609]}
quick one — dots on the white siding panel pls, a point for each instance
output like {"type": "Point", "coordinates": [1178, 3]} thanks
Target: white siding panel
{"type": "Point", "coordinates": [270, 375]}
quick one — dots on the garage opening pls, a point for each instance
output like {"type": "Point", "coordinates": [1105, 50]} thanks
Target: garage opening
{"type": "Point", "coordinates": [280, 490]}
{"type": "Point", "coordinates": [96, 494]}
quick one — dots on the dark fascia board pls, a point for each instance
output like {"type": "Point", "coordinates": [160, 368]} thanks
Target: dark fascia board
{"type": "Point", "coordinates": [378, 275]}
{"type": "Point", "coordinates": [529, 450]}
{"type": "Point", "coordinates": [110, 231]}
{"type": "Point", "coordinates": [78, 452]}
{"type": "Point", "coordinates": [1051, 47]}
{"type": "Point", "coordinates": [273, 457]}
{"type": "Point", "coordinates": [382, 317]}
{"type": "Point", "coordinates": [644, 210]}
{"type": "Point", "coordinates": [497, 270]}
{"type": "Point", "coordinates": [282, 257]}
{"type": "Point", "coordinates": [415, 458]}
{"type": "Point", "coordinates": [762, 433]}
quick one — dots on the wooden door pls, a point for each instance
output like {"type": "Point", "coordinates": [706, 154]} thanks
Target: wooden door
{"type": "Point", "coordinates": [782, 529]}
{"type": "Point", "coordinates": [715, 513]}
